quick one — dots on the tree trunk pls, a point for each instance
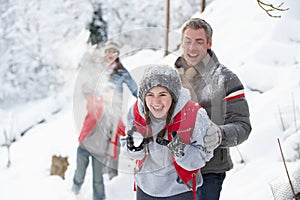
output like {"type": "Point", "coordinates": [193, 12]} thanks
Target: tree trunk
{"type": "Point", "coordinates": [203, 5]}
{"type": "Point", "coordinates": [167, 27]}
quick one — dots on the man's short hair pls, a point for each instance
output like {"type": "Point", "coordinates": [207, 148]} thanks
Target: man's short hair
{"type": "Point", "coordinates": [197, 23]}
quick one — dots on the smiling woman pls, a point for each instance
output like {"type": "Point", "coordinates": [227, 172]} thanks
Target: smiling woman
{"type": "Point", "coordinates": [173, 128]}
{"type": "Point", "coordinates": [159, 101]}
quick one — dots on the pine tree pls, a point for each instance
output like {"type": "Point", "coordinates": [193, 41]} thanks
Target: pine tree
{"type": "Point", "coordinates": [97, 27]}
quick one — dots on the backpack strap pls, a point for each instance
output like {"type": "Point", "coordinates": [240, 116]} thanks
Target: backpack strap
{"type": "Point", "coordinates": [140, 122]}
{"type": "Point", "coordinates": [188, 177]}
{"type": "Point", "coordinates": [183, 123]}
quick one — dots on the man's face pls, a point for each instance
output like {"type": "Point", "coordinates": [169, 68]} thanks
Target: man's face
{"type": "Point", "coordinates": [195, 45]}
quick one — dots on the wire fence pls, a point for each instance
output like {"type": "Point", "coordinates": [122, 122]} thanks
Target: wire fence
{"type": "Point", "coordinates": [282, 190]}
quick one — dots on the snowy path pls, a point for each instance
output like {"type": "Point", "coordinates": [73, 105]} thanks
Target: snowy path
{"type": "Point", "coordinates": [28, 177]}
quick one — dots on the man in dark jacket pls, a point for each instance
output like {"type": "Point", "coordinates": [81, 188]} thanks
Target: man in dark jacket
{"type": "Point", "coordinates": [221, 93]}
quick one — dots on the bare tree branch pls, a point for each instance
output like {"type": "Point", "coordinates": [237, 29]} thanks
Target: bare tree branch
{"type": "Point", "coordinates": [7, 144]}
{"type": "Point", "coordinates": [268, 7]}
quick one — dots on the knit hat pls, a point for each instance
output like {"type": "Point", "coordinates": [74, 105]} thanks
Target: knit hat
{"type": "Point", "coordinates": [112, 45]}
{"type": "Point", "coordinates": [162, 76]}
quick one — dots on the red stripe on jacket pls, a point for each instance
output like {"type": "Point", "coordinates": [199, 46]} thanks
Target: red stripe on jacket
{"type": "Point", "coordinates": [234, 97]}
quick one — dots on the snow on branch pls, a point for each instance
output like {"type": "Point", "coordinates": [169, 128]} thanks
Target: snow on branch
{"type": "Point", "coordinates": [268, 7]}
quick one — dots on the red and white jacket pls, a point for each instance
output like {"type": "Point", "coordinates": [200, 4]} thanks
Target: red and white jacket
{"type": "Point", "coordinates": [96, 110]}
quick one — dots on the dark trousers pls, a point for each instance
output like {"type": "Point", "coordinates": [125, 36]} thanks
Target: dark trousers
{"type": "Point", "coordinates": [212, 186]}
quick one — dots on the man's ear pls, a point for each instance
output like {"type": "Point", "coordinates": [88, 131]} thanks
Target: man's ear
{"type": "Point", "coordinates": [209, 43]}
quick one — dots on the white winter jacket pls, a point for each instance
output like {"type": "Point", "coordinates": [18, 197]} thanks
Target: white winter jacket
{"type": "Point", "coordinates": [157, 176]}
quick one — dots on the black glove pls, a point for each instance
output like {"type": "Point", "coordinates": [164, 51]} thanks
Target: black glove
{"type": "Point", "coordinates": [176, 146]}
{"type": "Point", "coordinates": [130, 142]}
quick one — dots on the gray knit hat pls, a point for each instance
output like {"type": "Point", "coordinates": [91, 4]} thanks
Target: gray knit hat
{"type": "Point", "coordinates": [163, 76]}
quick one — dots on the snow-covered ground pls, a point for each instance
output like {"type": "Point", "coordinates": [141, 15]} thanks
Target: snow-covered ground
{"type": "Point", "coordinates": [263, 51]}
